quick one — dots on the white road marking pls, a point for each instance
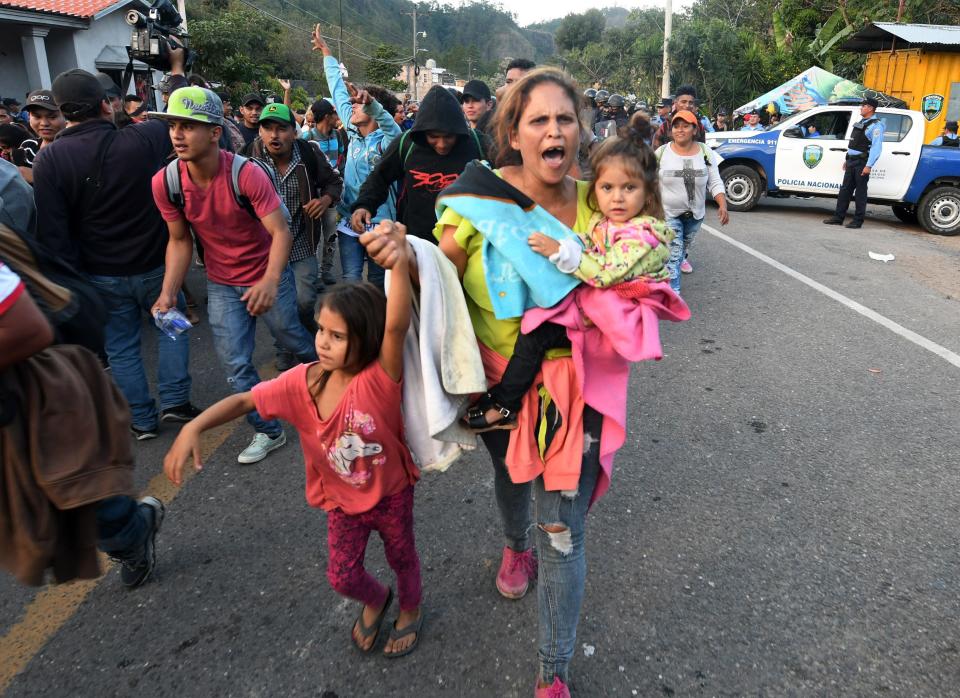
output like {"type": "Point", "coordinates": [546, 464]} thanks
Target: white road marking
{"type": "Point", "coordinates": [896, 328]}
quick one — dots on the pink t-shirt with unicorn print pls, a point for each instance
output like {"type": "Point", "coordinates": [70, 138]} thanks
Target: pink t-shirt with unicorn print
{"type": "Point", "coordinates": [358, 455]}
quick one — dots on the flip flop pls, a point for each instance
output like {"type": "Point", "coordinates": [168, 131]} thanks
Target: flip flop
{"type": "Point", "coordinates": [374, 629]}
{"type": "Point", "coordinates": [396, 634]}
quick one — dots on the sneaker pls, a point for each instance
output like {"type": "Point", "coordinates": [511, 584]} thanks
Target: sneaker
{"type": "Point", "coordinates": [833, 221]}
{"type": "Point", "coordinates": [517, 570]}
{"type": "Point", "coordinates": [137, 565]}
{"type": "Point", "coordinates": [260, 446]}
{"type": "Point", "coordinates": [558, 689]}
{"type": "Point", "coordinates": [686, 267]}
{"type": "Point", "coordinates": [181, 413]}
{"type": "Point", "coordinates": [143, 434]}
{"type": "Point", "coordinates": [854, 224]}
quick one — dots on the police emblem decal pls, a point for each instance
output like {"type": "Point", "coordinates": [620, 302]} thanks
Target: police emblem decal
{"type": "Point", "coordinates": [812, 155]}
{"type": "Point", "coordinates": [931, 106]}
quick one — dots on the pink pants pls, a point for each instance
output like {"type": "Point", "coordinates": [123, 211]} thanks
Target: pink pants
{"type": "Point", "coordinates": [347, 536]}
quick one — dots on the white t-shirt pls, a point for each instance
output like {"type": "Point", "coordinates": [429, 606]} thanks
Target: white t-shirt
{"type": "Point", "coordinates": [685, 180]}
{"type": "Point", "coordinates": [10, 288]}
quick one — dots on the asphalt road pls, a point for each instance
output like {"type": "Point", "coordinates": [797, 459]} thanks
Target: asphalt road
{"type": "Point", "coordinates": [782, 519]}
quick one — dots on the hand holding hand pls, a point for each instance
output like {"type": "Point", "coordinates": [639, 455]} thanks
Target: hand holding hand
{"type": "Point", "coordinates": [387, 244]}
{"type": "Point", "coordinates": [541, 244]}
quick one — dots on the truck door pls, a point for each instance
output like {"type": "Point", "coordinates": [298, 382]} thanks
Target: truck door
{"type": "Point", "coordinates": [810, 152]}
{"type": "Point", "coordinates": [902, 141]}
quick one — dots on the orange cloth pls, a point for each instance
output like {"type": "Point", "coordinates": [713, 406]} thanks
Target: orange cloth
{"type": "Point", "coordinates": [561, 466]}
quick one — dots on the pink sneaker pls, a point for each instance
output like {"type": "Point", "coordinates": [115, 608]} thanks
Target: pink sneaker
{"type": "Point", "coordinates": [686, 267]}
{"type": "Point", "coordinates": [558, 689]}
{"type": "Point", "coordinates": [517, 570]}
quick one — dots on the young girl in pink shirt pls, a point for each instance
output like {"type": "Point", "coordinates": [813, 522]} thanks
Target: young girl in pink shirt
{"type": "Point", "coordinates": [346, 408]}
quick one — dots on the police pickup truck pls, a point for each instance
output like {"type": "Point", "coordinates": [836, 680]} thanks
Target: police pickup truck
{"type": "Point", "coordinates": [804, 155]}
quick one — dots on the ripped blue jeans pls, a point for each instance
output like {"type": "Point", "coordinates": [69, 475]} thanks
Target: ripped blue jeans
{"type": "Point", "coordinates": [563, 562]}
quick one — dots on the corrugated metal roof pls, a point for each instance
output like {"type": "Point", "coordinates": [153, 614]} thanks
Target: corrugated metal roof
{"type": "Point", "coordinates": [883, 36]}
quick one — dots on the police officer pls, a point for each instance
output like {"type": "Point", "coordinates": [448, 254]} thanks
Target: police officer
{"type": "Point", "coordinates": [866, 142]}
{"type": "Point", "coordinates": [949, 138]}
{"type": "Point", "coordinates": [721, 122]}
{"type": "Point", "coordinates": [588, 113]}
{"type": "Point", "coordinates": [616, 110]}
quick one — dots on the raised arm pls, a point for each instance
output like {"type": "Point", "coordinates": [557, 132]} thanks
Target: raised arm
{"type": "Point", "coordinates": [398, 301]}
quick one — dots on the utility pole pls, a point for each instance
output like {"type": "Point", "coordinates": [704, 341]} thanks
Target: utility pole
{"type": "Point", "coordinates": [340, 42]}
{"type": "Point", "coordinates": [667, 30]}
{"type": "Point", "coordinates": [413, 70]}
{"type": "Point", "coordinates": [469, 69]}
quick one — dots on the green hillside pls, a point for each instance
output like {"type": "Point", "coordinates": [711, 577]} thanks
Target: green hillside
{"type": "Point", "coordinates": [240, 44]}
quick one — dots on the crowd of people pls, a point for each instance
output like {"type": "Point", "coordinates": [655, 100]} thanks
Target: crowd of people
{"type": "Point", "coordinates": [556, 242]}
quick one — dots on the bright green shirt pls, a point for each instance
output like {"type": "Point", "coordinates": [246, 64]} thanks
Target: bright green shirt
{"type": "Point", "coordinates": [499, 335]}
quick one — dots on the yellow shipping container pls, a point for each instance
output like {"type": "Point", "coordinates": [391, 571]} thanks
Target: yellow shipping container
{"type": "Point", "coordinates": [918, 63]}
{"type": "Point", "coordinates": [914, 75]}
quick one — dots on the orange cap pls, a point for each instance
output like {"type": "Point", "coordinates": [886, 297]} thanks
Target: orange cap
{"type": "Point", "coordinates": [686, 116]}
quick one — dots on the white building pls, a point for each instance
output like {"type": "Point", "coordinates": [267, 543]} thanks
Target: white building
{"type": "Point", "coordinates": [39, 39]}
{"type": "Point", "coordinates": [427, 76]}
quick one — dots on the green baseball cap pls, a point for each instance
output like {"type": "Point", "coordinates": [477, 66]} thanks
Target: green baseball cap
{"type": "Point", "coordinates": [193, 104]}
{"type": "Point", "coordinates": [278, 112]}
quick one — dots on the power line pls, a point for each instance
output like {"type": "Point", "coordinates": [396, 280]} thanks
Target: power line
{"type": "Point", "coordinates": [391, 35]}
{"type": "Point", "coordinates": [348, 48]}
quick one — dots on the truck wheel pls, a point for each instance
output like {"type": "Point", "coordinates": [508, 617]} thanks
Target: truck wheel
{"type": "Point", "coordinates": [939, 211]}
{"type": "Point", "coordinates": [743, 187]}
{"type": "Point", "coordinates": [905, 212]}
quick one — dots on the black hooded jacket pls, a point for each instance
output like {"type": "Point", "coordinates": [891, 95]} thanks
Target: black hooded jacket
{"type": "Point", "coordinates": [420, 172]}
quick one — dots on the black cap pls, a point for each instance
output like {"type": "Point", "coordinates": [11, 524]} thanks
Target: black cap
{"type": "Point", "coordinates": [665, 102]}
{"type": "Point", "coordinates": [478, 90]}
{"type": "Point", "coordinates": [251, 98]}
{"type": "Point", "coordinates": [41, 99]}
{"type": "Point", "coordinates": [951, 126]}
{"type": "Point", "coordinates": [78, 88]}
{"type": "Point", "coordinates": [322, 108]}
{"type": "Point", "coordinates": [10, 101]}
{"type": "Point", "coordinates": [872, 101]}
{"type": "Point", "coordinates": [109, 86]}
{"type": "Point", "coordinates": [721, 112]}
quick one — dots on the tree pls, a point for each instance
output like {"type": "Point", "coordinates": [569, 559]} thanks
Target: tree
{"type": "Point", "coordinates": [576, 31]}
{"type": "Point", "coordinates": [383, 68]}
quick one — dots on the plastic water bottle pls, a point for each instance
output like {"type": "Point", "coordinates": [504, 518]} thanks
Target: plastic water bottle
{"type": "Point", "coordinates": [172, 322]}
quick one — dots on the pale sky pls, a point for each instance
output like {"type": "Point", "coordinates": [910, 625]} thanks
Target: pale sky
{"type": "Point", "coordinates": [529, 11]}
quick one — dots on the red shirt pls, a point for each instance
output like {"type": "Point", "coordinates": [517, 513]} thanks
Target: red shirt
{"type": "Point", "coordinates": [236, 246]}
{"type": "Point", "coordinates": [358, 455]}
{"type": "Point", "coordinates": [11, 288]}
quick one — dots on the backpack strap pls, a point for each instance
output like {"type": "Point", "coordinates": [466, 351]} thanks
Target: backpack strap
{"type": "Point", "coordinates": [171, 177]}
{"type": "Point", "coordinates": [476, 139]}
{"type": "Point", "coordinates": [404, 156]}
{"type": "Point", "coordinates": [343, 145]}
{"type": "Point", "coordinates": [703, 149]}
{"type": "Point", "coordinates": [242, 200]}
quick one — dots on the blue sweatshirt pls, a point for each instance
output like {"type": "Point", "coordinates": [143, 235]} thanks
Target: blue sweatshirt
{"type": "Point", "coordinates": [364, 152]}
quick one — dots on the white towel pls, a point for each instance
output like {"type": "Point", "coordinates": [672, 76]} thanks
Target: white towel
{"type": "Point", "coordinates": [441, 363]}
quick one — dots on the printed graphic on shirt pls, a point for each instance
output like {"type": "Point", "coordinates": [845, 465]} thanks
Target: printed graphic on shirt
{"type": "Point", "coordinates": [350, 447]}
{"type": "Point", "coordinates": [432, 181]}
{"type": "Point", "coordinates": [689, 176]}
